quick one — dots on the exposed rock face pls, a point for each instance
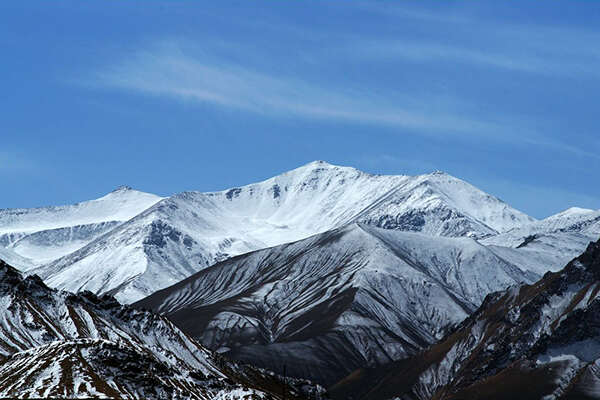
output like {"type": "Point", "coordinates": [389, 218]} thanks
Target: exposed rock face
{"type": "Point", "coordinates": [536, 341]}
{"type": "Point", "coordinates": [57, 344]}
{"type": "Point", "coordinates": [348, 298]}
{"type": "Point", "coordinates": [130, 244]}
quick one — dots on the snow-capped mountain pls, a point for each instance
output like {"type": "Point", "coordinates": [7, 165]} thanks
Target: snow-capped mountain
{"type": "Point", "coordinates": [40, 235]}
{"type": "Point", "coordinates": [351, 297]}
{"type": "Point", "coordinates": [61, 345]}
{"type": "Point", "coordinates": [9, 256]}
{"type": "Point", "coordinates": [548, 244]}
{"type": "Point", "coordinates": [539, 341]}
{"type": "Point", "coordinates": [187, 232]}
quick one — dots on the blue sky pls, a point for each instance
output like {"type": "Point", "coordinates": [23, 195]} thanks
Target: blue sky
{"type": "Point", "coordinates": [167, 96]}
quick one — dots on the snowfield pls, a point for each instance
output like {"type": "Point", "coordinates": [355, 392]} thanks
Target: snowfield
{"type": "Point", "coordinates": [131, 244]}
{"type": "Point", "coordinates": [327, 267]}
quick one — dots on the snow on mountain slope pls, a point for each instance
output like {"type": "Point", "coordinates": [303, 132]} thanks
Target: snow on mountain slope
{"type": "Point", "coordinates": [187, 232]}
{"type": "Point", "coordinates": [351, 297]}
{"type": "Point", "coordinates": [442, 205]}
{"type": "Point", "coordinates": [572, 220]}
{"type": "Point", "coordinates": [119, 205]}
{"type": "Point", "coordinates": [12, 258]}
{"type": "Point", "coordinates": [548, 244]}
{"type": "Point", "coordinates": [319, 196]}
{"type": "Point", "coordinates": [57, 344]}
{"type": "Point", "coordinates": [539, 341]}
{"type": "Point", "coordinates": [45, 234]}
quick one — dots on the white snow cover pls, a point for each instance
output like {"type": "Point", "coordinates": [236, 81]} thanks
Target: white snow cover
{"type": "Point", "coordinates": [119, 205]}
{"type": "Point", "coordinates": [11, 257]}
{"type": "Point", "coordinates": [59, 345]}
{"type": "Point", "coordinates": [531, 315]}
{"type": "Point", "coordinates": [548, 244]}
{"type": "Point", "coordinates": [187, 232]}
{"type": "Point", "coordinates": [400, 292]}
{"type": "Point", "coordinates": [45, 234]}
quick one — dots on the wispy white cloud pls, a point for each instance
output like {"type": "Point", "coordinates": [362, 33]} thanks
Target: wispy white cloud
{"type": "Point", "coordinates": [551, 50]}
{"type": "Point", "coordinates": [170, 70]}
{"type": "Point", "coordinates": [426, 52]}
{"type": "Point", "coordinates": [548, 63]}
{"type": "Point", "coordinates": [165, 70]}
{"type": "Point", "coordinates": [406, 11]}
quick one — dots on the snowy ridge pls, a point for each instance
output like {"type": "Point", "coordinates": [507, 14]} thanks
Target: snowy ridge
{"type": "Point", "coordinates": [11, 257]}
{"type": "Point", "coordinates": [62, 345]}
{"type": "Point", "coordinates": [537, 341]}
{"type": "Point", "coordinates": [572, 220]}
{"type": "Point", "coordinates": [187, 232]}
{"type": "Point", "coordinates": [45, 234]}
{"type": "Point", "coordinates": [348, 298]}
{"type": "Point", "coordinates": [548, 244]}
{"type": "Point", "coordinates": [119, 205]}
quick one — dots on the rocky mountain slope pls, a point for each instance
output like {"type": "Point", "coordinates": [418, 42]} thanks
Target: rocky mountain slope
{"type": "Point", "coordinates": [348, 298]}
{"type": "Point", "coordinates": [57, 344]}
{"type": "Point", "coordinates": [187, 232]}
{"type": "Point", "coordinates": [548, 244]}
{"type": "Point", "coordinates": [533, 342]}
{"type": "Point", "coordinates": [41, 235]}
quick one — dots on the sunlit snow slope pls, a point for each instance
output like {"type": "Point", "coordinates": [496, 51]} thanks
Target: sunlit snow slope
{"type": "Point", "coordinates": [352, 297]}
{"type": "Point", "coordinates": [539, 341]}
{"type": "Point", "coordinates": [190, 231]}
{"type": "Point", "coordinates": [548, 244]}
{"type": "Point", "coordinates": [44, 234]}
{"type": "Point", "coordinates": [60, 345]}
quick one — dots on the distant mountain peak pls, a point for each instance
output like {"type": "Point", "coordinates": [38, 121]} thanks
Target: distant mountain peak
{"type": "Point", "coordinates": [122, 188]}
{"type": "Point", "coordinates": [193, 230]}
{"type": "Point", "coordinates": [439, 172]}
{"type": "Point", "coordinates": [575, 211]}
{"type": "Point", "coordinates": [320, 164]}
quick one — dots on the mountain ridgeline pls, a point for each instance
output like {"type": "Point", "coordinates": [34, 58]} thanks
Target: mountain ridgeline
{"type": "Point", "coordinates": [353, 297]}
{"type": "Point", "coordinates": [539, 341]}
{"type": "Point", "coordinates": [375, 286]}
{"type": "Point", "coordinates": [55, 344]}
{"type": "Point", "coordinates": [130, 244]}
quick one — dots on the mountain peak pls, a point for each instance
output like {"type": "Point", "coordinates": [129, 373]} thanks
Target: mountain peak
{"type": "Point", "coordinates": [318, 164]}
{"type": "Point", "coordinates": [439, 172]}
{"type": "Point", "coordinates": [122, 188]}
{"type": "Point", "coordinates": [575, 211]}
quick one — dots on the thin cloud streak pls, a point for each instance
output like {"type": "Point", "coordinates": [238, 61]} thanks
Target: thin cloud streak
{"type": "Point", "coordinates": [549, 64]}
{"type": "Point", "coordinates": [165, 70]}
{"type": "Point", "coordinates": [173, 74]}
{"type": "Point", "coordinates": [549, 50]}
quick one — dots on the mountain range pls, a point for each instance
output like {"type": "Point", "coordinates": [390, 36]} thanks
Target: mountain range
{"type": "Point", "coordinates": [356, 281]}
{"type": "Point", "coordinates": [130, 244]}
{"type": "Point", "coordinates": [351, 297]}
{"type": "Point", "coordinates": [55, 344]}
{"type": "Point", "coordinates": [539, 341]}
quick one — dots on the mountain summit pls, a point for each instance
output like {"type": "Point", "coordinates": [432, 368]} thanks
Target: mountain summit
{"type": "Point", "coordinates": [131, 244]}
